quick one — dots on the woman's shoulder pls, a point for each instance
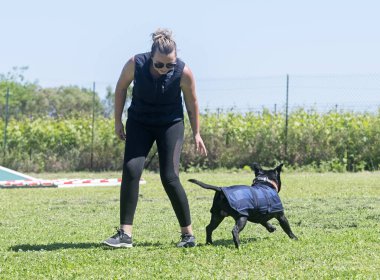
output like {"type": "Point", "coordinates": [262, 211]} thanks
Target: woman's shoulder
{"type": "Point", "coordinates": [141, 58]}
{"type": "Point", "coordinates": [181, 62]}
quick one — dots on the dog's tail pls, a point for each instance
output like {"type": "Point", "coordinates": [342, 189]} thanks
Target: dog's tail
{"type": "Point", "coordinates": [205, 186]}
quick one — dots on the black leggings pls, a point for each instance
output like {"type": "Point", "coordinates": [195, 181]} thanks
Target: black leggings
{"type": "Point", "coordinates": [139, 141]}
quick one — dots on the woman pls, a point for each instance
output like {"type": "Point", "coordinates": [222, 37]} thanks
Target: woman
{"type": "Point", "coordinates": [155, 114]}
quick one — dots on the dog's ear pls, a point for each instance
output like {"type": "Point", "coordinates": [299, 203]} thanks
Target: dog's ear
{"type": "Point", "coordinates": [256, 167]}
{"type": "Point", "coordinates": [279, 168]}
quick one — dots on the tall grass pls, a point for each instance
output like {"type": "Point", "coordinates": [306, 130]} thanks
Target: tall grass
{"type": "Point", "coordinates": [56, 233]}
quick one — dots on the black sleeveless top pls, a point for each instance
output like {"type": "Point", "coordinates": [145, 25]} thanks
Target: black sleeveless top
{"type": "Point", "coordinates": [156, 101]}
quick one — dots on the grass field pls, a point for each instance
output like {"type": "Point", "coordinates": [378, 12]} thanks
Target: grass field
{"type": "Point", "coordinates": [56, 233]}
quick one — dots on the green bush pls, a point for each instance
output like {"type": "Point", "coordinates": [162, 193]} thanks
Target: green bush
{"type": "Point", "coordinates": [332, 141]}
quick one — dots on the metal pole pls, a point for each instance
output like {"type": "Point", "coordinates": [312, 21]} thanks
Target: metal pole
{"type": "Point", "coordinates": [93, 124]}
{"type": "Point", "coordinates": [287, 116]}
{"type": "Point", "coordinates": [6, 120]}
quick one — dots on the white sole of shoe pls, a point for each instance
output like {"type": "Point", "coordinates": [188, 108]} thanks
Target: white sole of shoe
{"type": "Point", "coordinates": [121, 245]}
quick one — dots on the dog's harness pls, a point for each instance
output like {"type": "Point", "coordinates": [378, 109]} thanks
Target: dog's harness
{"type": "Point", "coordinates": [251, 200]}
{"type": "Point", "coordinates": [267, 180]}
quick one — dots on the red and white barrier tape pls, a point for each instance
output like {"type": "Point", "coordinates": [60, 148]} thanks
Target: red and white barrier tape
{"type": "Point", "coordinates": [62, 183]}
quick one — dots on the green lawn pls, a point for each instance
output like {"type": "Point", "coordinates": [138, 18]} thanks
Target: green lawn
{"type": "Point", "coordinates": [56, 233]}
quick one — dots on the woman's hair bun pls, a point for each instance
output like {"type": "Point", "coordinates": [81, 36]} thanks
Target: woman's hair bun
{"type": "Point", "coordinates": [163, 41]}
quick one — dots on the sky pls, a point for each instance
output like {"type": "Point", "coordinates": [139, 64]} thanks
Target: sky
{"type": "Point", "coordinates": [80, 42]}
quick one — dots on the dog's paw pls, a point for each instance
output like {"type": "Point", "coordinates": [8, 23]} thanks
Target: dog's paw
{"type": "Point", "coordinates": [272, 229]}
{"type": "Point", "coordinates": [294, 237]}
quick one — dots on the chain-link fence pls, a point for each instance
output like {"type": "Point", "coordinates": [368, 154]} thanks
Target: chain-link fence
{"type": "Point", "coordinates": [323, 93]}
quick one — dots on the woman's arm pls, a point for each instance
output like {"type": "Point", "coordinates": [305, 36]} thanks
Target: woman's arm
{"type": "Point", "coordinates": [191, 103]}
{"type": "Point", "coordinates": [125, 79]}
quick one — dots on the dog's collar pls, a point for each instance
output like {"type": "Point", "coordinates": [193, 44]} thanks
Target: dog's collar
{"type": "Point", "coordinates": [266, 179]}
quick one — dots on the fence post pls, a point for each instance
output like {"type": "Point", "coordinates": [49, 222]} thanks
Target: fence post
{"type": "Point", "coordinates": [286, 116]}
{"type": "Point", "coordinates": [93, 124]}
{"type": "Point", "coordinates": [6, 120]}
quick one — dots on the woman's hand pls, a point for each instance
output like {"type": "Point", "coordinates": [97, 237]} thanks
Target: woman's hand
{"type": "Point", "coordinates": [199, 145]}
{"type": "Point", "coordinates": [119, 130]}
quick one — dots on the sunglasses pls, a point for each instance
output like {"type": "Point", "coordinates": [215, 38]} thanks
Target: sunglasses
{"type": "Point", "coordinates": [160, 65]}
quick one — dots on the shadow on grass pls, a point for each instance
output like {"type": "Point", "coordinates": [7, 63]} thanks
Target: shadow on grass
{"type": "Point", "coordinates": [53, 246]}
{"type": "Point", "coordinates": [148, 244]}
{"type": "Point", "coordinates": [61, 246]}
{"type": "Point", "coordinates": [230, 242]}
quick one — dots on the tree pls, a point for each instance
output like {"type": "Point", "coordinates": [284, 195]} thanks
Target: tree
{"type": "Point", "coordinates": [109, 102]}
{"type": "Point", "coordinates": [21, 93]}
{"type": "Point", "coordinates": [71, 101]}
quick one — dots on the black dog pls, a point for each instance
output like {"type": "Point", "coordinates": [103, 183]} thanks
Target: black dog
{"type": "Point", "coordinates": [257, 203]}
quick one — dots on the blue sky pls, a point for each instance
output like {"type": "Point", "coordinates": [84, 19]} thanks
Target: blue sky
{"type": "Point", "coordinates": [78, 42]}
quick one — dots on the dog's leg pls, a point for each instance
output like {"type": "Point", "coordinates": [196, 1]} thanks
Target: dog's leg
{"type": "Point", "coordinates": [285, 226]}
{"type": "Point", "coordinates": [268, 226]}
{"type": "Point", "coordinates": [216, 219]}
{"type": "Point", "coordinates": [239, 226]}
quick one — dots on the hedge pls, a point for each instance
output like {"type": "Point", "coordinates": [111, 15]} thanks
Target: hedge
{"type": "Point", "coordinates": [334, 141]}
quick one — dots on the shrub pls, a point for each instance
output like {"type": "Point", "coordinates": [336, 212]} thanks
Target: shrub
{"type": "Point", "coordinates": [332, 141]}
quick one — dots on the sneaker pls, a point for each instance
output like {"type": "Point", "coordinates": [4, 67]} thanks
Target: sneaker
{"type": "Point", "coordinates": [187, 240]}
{"type": "Point", "coordinates": [120, 239]}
